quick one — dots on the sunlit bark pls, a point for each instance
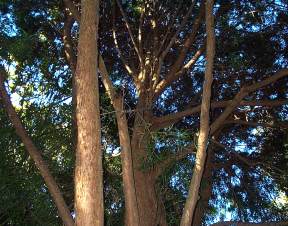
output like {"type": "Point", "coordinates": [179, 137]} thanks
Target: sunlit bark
{"type": "Point", "coordinates": [88, 172]}
{"type": "Point", "coordinates": [193, 193]}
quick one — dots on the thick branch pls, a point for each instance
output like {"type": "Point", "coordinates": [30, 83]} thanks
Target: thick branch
{"type": "Point", "coordinates": [125, 143]}
{"type": "Point", "coordinates": [237, 223]}
{"type": "Point", "coordinates": [35, 155]}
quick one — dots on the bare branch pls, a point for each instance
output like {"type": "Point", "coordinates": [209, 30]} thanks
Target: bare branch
{"type": "Point", "coordinates": [35, 154]}
{"type": "Point", "coordinates": [128, 68]}
{"type": "Point", "coordinates": [167, 120]}
{"type": "Point", "coordinates": [174, 37]}
{"type": "Point", "coordinates": [130, 32]}
{"type": "Point", "coordinates": [247, 123]}
{"type": "Point", "coordinates": [182, 55]}
{"type": "Point", "coordinates": [243, 93]}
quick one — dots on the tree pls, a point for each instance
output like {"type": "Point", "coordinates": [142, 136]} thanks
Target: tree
{"type": "Point", "coordinates": [151, 65]}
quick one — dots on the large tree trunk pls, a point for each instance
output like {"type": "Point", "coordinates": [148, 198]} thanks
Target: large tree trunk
{"type": "Point", "coordinates": [150, 206]}
{"type": "Point", "coordinates": [88, 172]}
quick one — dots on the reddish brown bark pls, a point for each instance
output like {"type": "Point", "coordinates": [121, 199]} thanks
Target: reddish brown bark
{"type": "Point", "coordinates": [88, 172]}
{"type": "Point", "coordinates": [150, 207]}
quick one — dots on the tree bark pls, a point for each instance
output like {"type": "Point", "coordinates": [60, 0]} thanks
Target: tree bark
{"type": "Point", "coordinates": [132, 215]}
{"type": "Point", "coordinates": [35, 154]}
{"type": "Point", "coordinates": [88, 172]}
{"type": "Point", "coordinates": [187, 216]}
{"type": "Point", "coordinates": [205, 190]}
{"type": "Point", "coordinates": [151, 208]}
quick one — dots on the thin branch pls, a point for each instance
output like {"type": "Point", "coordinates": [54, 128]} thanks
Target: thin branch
{"type": "Point", "coordinates": [269, 125]}
{"type": "Point", "coordinates": [174, 37]}
{"type": "Point", "coordinates": [243, 93]}
{"type": "Point", "coordinates": [110, 89]}
{"type": "Point", "coordinates": [240, 157]}
{"type": "Point", "coordinates": [170, 24]}
{"type": "Point", "coordinates": [126, 65]}
{"type": "Point", "coordinates": [172, 158]}
{"type": "Point", "coordinates": [246, 160]}
{"type": "Point", "coordinates": [35, 154]}
{"type": "Point", "coordinates": [130, 32]}
{"type": "Point", "coordinates": [167, 120]}
{"type": "Point", "coordinates": [140, 35]}
{"type": "Point", "coordinates": [68, 44]}
{"type": "Point", "coordinates": [182, 55]}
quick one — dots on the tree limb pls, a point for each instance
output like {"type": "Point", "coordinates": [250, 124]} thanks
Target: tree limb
{"type": "Point", "coordinates": [125, 143]}
{"type": "Point", "coordinates": [167, 120]}
{"type": "Point", "coordinates": [202, 144]}
{"type": "Point", "coordinates": [269, 125]}
{"type": "Point", "coordinates": [243, 93]}
{"type": "Point", "coordinates": [181, 56]}
{"type": "Point", "coordinates": [130, 32]}
{"type": "Point", "coordinates": [35, 154]}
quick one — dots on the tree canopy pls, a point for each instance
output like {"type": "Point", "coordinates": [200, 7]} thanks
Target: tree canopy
{"type": "Point", "coordinates": [152, 58]}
